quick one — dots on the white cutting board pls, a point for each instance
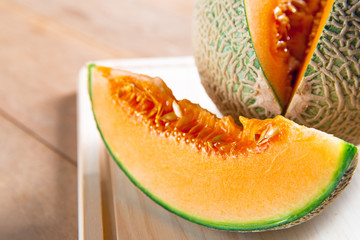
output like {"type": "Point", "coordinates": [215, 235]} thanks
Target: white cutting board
{"type": "Point", "coordinates": [111, 207]}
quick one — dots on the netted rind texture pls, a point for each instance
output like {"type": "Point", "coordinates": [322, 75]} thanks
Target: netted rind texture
{"type": "Point", "coordinates": [328, 98]}
{"type": "Point", "coordinates": [229, 69]}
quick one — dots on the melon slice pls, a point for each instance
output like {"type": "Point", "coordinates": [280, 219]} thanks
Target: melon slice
{"type": "Point", "coordinates": [267, 174]}
{"type": "Point", "coordinates": [298, 58]}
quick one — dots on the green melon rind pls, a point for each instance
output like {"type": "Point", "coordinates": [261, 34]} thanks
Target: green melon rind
{"type": "Point", "coordinates": [348, 154]}
{"type": "Point", "coordinates": [328, 97]}
{"type": "Point", "coordinates": [228, 66]}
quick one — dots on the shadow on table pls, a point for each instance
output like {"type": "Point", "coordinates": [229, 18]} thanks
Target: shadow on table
{"type": "Point", "coordinates": [39, 190]}
{"type": "Point", "coordinates": [66, 126]}
{"type": "Point", "coordinates": [66, 203]}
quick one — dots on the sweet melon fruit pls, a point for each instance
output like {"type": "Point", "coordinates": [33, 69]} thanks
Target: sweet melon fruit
{"type": "Point", "coordinates": [266, 174]}
{"type": "Point", "coordinates": [298, 58]}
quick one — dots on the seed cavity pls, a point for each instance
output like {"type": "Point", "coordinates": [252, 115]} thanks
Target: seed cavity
{"type": "Point", "coordinates": [155, 106]}
{"type": "Point", "coordinates": [217, 138]}
{"type": "Point", "coordinates": [295, 18]}
{"type": "Point", "coordinates": [177, 109]}
{"type": "Point", "coordinates": [168, 117]}
{"type": "Point", "coordinates": [268, 133]}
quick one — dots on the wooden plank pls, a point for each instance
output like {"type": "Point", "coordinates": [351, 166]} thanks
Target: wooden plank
{"type": "Point", "coordinates": [44, 45]}
{"type": "Point", "coordinates": [37, 187]}
{"type": "Point", "coordinates": [141, 28]}
{"type": "Point", "coordinates": [38, 79]}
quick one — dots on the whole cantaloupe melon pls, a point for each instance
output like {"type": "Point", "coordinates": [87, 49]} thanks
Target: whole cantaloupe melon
{"type": "Point", "coordinates": [266, 174]}
{"type": "Point", "coordinates": [298, 58]}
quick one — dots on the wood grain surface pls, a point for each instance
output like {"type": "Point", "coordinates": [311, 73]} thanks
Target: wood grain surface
{"type": "Point", "coordinates": [43, 45]}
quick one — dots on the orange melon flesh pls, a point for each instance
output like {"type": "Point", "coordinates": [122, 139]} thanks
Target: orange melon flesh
{"type": "Point", "coordinates": [209, 170]}
{"type": "Point", "coordinates": [285, 34]}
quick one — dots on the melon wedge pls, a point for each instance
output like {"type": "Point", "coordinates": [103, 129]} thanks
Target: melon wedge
{"type": "Point", "coordinates": [267, 174]}
{"type": "Point", "coordinates": [297, 58]}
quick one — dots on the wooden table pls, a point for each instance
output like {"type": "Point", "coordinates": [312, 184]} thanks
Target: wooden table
{"type": "Point", "coordinates": [43, 44]}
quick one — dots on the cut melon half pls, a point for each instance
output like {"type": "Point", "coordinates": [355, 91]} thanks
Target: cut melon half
{"type": "Point", "coordinates": [267, 174]}
{"type": "Point", "coordinates": [297, 58]}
